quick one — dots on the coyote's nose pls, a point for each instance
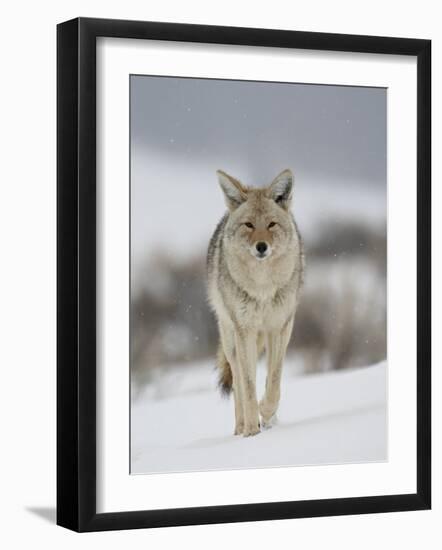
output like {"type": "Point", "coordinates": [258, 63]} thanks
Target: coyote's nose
{"type": "Point", "coordinates": [261, 247]}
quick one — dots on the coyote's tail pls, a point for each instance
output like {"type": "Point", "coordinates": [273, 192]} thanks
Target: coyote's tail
{"type": "Point", "coordinates": [225, 378]}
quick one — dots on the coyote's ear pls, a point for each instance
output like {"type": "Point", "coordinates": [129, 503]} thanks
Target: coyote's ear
{"type": "Point", "coordinates": [281, 188]}
{"type": "Point", "coordinates": [234, 192]}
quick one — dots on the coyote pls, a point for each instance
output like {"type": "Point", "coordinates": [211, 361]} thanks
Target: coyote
{"type": "Point", "coordinates": [255, 265]}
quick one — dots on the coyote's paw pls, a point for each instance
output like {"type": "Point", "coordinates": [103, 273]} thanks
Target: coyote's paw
{"type": "Point", "coordinates": [267, 424]}
{"type": "Point", "coordinates": [267, 412]}
{"type": "Point", "coordinates": [251, 430]}
{"type": "Point", "coordinates": [239, 429]}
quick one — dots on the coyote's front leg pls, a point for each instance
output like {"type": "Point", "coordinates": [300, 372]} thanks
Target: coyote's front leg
{"type": "Point", "coordinates": [228, 343]}
{"type": "Point", "coordinates": [276, 347]}
{"type": "Point", "coordinates": [246, 352]}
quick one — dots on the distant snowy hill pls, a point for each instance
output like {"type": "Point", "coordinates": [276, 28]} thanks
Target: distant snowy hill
{"type": "Point", "coordinates": [180, 422]}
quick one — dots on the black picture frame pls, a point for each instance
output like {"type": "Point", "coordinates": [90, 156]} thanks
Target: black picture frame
{"type": "Point", "coordinates": [76, 274]}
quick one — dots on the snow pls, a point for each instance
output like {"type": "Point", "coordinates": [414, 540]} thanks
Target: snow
{"type": "Point", "coordinates": [180, 423]}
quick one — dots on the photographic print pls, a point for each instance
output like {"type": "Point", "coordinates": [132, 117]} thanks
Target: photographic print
{"type": "Point", "coordinates": [258, 274]}
{"type": "Point", "coordinates": [230, 205]}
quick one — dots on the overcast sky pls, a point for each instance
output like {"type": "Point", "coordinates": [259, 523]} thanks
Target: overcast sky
{"type": "Point", "coordinates": [332, 132]}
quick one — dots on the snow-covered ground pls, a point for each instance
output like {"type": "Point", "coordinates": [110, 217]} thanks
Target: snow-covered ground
{"type": "Point", "coordinates": [180, 423]}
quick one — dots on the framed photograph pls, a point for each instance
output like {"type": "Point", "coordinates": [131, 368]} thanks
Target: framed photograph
{"type": "Point", "coordinates": [243, 274]}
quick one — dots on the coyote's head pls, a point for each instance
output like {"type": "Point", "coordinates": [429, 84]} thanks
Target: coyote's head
{"type": "Point", "coordinates": [259, 221]}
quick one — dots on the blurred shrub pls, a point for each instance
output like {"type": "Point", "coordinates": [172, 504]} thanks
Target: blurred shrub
{"type": "Point", "coordinates": [340, 322]}
{"type": "Point", "coordinates": [341, 318]}
{"type": "Point", "coordinates": [339, 240]}
{"type": "Point", "coordinates": [170, 318]}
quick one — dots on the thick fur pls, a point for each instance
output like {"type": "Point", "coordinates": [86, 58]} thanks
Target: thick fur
{"type": "Point", "coordinates": [255, 267]}
{"type": "Point", "coordinates": [225, 379]}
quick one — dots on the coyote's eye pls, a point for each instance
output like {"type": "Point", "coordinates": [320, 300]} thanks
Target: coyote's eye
{"type": "Point", "coordinates": [249, 225]}
{"type": "Point", "coordinates": [271, 224]}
